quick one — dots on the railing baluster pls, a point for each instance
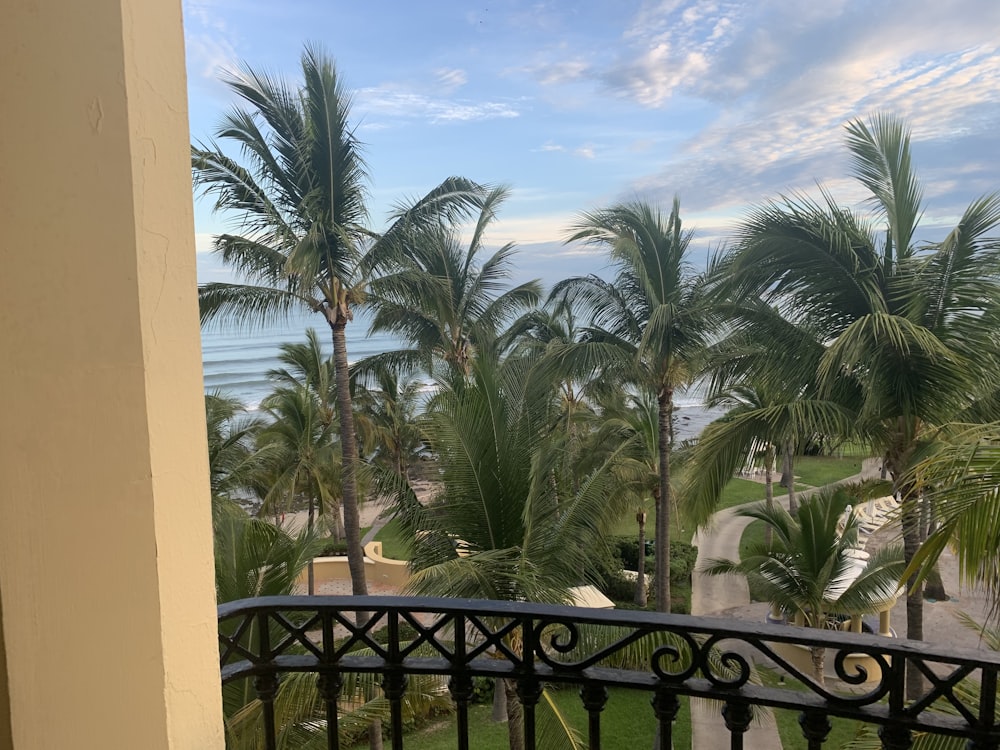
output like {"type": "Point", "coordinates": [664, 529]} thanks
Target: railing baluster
{"type": "Point", "coordinates": [460, 685]}
{"type": "Point", "coordinates": [394, 682]}
{"type": "Point", "coordinates": [329, 684]}
{"type": "Point", "coordinates": [594, 699]}
{"type": "Point", "coordinates": [815, 728]}
{"type": "Point", "coordinates": [394, 687]}
{"type": "Point", "coordinates": [737, 715]}
{"type": "Point", "coordinates": [666, 707]}
{"type": "Point", "coordinates": [987, 711]}
{"type": "Point", "coordinates": [528, 688]}
{"type": "Point", "coordinates": [266, 687]}
{"type": "Point", "coordinates": [896, 737]}
{"type": "Point", "coordinates": [461, 692]}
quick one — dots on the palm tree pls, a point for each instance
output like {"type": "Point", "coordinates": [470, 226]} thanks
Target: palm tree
{"type": "Point", "coordinates": [499, 529]}
{"type": "Point", "coordinates": [387, 417]}
{"type": "Point", "coordinates": [297, 193]}
{"type": "Point", "coordinates": [647, 327]}
{"type": "Point", "coordinates": [806, 570]}
{"type": "Point", "coordinates": [233, 459]}
{"type": "Point", "coordinates": [301, 462]}
{"type": "Point", "coordinates": [629, 425]}
{"type": "Point", "coordinates": [443, 298]}
{"type": "Point", "coordinates": [904, 322]}
{"type": "Point", "coordinates": [959, 472]}
{"type": "Point", "coordinates": [764, 415]}
{"type": "Point", "coordinates": [305, 365]}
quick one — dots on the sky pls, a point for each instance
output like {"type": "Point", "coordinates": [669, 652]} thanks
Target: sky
{"type": "Point", "coordinates": [579, 105]}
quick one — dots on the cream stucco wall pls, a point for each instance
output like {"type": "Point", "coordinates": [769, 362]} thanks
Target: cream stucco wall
{"type": "Point", "coordinates": [105, 534]}
{"type": "Point", "coordinates": [379, 570]}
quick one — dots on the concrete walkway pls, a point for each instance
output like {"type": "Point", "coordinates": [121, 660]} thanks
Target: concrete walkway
{"type": "Point", "coordinates": [714, 594]}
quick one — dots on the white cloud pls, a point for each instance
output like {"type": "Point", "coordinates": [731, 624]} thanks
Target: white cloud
{"type": "Point", "coordinates": [451, 79]}
{"type": "Point", "coordinates": [558, 73]}
{"type": "Point", "coordinates": [586, 151]}
{"type": "Point", "coordinates": [396, 102]}
{"type": "Point", "coordinates": [784, 79]}
{"type": "Point", "coordinates": [210, 44]}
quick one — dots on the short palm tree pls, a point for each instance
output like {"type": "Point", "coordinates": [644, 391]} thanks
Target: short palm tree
{"type": "Point", "coordinates": [297, 194]}
{"type": "Point", "coordinates": [960, 474]}
{"type": "Point", "coordinates": [807, 568]}
{"type": "Point", "coordinates": [387, 418]}
{"type": "Point", "coordinates": [301, 463]}
{"type": "Point", "coordinates": [499, 529]}
{"type": "Point", "coordinates": [647, 328]}
{"type": "Point", "coordinates": [904, 322]}
{"type": "Point", "coordinates": [303, 364]}
{"type": "Point", "coordinates": [763, 416]}
{"type": "Point", "coordinates": [233, 458]}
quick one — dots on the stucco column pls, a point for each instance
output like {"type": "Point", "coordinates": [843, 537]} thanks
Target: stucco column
{"type": "Point", "coordinates": [105, 533]}
{"type": "Point", "coordinates": [883, 622]}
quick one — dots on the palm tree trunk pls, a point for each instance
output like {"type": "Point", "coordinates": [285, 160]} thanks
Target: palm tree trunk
{"type": "Point", "coordinates": [769, 490]}
{"type": "Point", "coordinates": [793, 503]}
{"type": "Point", "coordinates": [640, 576]}
{"type": "Point", "coordinates": [499, 713]}
{"type": "Point", "coordinates": [910, 522]}
{"type": "Point", "coordinates": [338, 522]}
{"type": "Point", "coordinates": [309, 525]}
{"type": "Point", "coordinates": [934, 584]}
{"type": "Point", "coordinates": [819, 665]}
{"type": "Point", "coordinates": [665, 405]}
{"type": "Point", "coordinates": [349, 448]}
{"type": "Point", "coordinates": [515, 716]}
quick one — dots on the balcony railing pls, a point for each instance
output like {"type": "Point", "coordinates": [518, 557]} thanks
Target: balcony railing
{"type": "Point", "coordinates": [533, 645]}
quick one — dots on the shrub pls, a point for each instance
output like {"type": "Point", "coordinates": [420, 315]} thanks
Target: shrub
{"type": "Point", "coordinates": [333, 548]}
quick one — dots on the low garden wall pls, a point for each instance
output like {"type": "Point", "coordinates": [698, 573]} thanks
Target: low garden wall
{"type": "Point", "coordinates": [379, 570]}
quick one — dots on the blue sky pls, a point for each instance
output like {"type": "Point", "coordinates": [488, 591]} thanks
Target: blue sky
{"type": "Point", "coordinates": [579, 105]}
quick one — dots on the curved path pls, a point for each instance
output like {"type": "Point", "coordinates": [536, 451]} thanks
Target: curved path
{"type": "Point", "coordinates": [714, 594]}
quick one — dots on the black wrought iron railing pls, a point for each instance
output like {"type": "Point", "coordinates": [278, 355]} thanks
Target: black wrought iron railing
{"type": "Point", "coordinates": [264, 640]}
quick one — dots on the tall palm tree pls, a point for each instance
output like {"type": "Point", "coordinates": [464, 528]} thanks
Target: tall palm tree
{"type": "Point", "coordinates": [297, 194]}
{"type": "Point", "coordinates": [904, 321]}
{"type": "Point", "coordinates": [440, 295]}
{"type": "Point", "coordinates": [647, 327]}
{"type": "Point", "coordinates": [806, 570]}
{"type": "Point", "coordinates": [629, 426]}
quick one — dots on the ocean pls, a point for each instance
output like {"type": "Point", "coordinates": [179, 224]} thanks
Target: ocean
{"type": "Point", "coordinates": [236, 360]}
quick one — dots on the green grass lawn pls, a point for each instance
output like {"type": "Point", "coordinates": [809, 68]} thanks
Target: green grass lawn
{"type": "Point", "coordinates": [817, 471]}
{"type": "Point", "coordinates": [842, 731]}
{"type": "Point", "coordinates": [812, 471]}
{"type": "Point", "coordinates": [394, 542]}
{"type": "Point", "coordinates": [626, 722]}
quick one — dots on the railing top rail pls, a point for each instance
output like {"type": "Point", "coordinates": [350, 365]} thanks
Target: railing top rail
{"type": "Point", "coordinates": [717, 628]}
